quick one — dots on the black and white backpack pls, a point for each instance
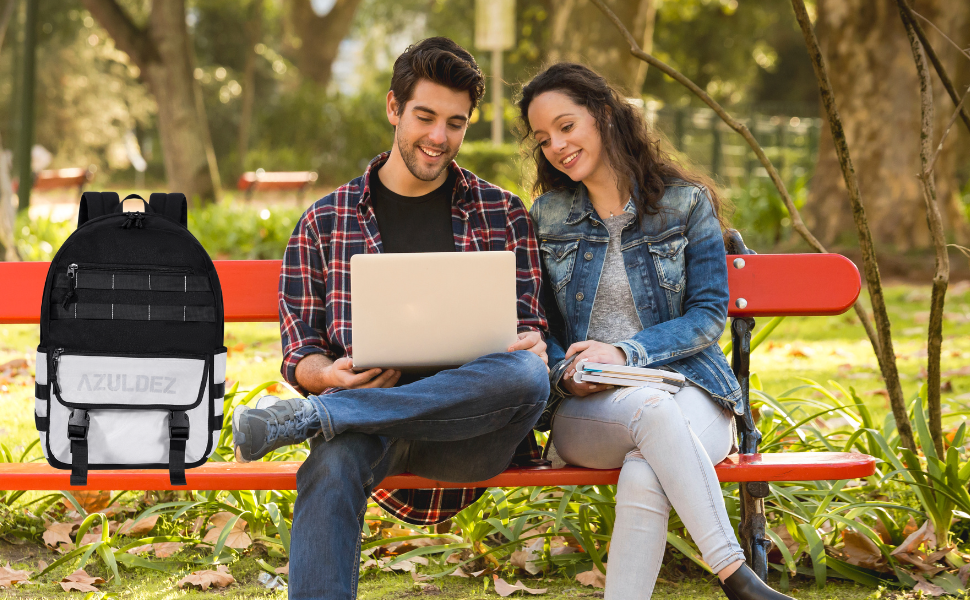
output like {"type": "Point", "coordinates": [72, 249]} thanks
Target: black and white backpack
{"type": "Point", "coordinates": [131, 364]}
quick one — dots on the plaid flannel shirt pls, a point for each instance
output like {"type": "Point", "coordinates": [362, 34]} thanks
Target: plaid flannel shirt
{"type": "Point", "coordinates": [315, 292]}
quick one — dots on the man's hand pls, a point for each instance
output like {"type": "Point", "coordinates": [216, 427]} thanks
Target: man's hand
{"type": "Point", "coordinates": [316, 373]}
{"type": "Point", "coordinates": [592, 352]}
{"type": "Point", "coordinates": [341, 374]}
{"type": "Point", "coordinates": [533, 342]}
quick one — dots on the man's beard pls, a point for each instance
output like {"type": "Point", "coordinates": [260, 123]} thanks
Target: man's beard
{"type": "Point", "coordinates": [409, 153]}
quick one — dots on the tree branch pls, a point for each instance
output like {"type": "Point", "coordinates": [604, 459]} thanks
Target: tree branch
{"type": "Point", "coordinates": [909, 20]}
{"type": "Point", "coordinates": [949, 126]}
{"type": "Point", "coordinates": [941, 277]}
{"type": "Point", "coordinates": [884, 349]}
{"type": "Point", "coordinates": [128, 37]}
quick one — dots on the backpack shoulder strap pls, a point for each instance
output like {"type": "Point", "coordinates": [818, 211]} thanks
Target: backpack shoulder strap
{"type": "Point", "coordinates": [96, 204]}
{"type": "Point", "coordinates": [173, 206]}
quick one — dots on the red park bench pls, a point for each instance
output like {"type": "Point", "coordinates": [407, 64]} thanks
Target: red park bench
{"type": "Point", "coordinates": [259, 179]}
{"type": "Point", "coordinates": [61, 178]}
{"type": "Point", "coordinates": [760, 285]}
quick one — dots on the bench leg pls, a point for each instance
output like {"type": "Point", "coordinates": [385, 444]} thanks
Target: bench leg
{"type": "Point", "coordinates": [754, 541]}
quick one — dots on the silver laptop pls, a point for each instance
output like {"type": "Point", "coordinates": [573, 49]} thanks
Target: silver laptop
{"type": "Point", "coordinates": [419, 311]}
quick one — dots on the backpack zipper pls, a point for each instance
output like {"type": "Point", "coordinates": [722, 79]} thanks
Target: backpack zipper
{"type": "Point", "coordinates": [72, 281]}
{"type": "Point", "coordinates": [130, 268]}
{"type": "Point", "coordinates": [55, 358]}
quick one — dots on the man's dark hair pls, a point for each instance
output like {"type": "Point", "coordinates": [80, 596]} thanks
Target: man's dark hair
{"type": "Point", "coordinates": [441, 61]}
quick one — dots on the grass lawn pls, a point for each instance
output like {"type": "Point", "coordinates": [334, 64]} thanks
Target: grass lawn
{"type": "Point", "coordinates": [818, 348]}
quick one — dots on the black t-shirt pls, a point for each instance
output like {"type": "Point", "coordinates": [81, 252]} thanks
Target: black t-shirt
{"type": "Point", "coordinates": [414, 223]}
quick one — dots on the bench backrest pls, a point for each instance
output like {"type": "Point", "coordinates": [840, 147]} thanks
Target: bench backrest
{"type": "Point", "coordinates": [761, 285]}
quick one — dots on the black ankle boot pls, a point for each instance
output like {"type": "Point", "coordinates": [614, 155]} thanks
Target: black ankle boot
{"type": "Point", "coordinates": [743, 584]}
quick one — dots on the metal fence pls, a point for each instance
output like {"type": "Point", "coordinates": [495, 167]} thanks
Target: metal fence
{"type": "Point", "coordinates": [790, 142]}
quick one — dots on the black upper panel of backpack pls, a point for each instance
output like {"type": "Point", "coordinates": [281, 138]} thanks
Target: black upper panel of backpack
{"type": "Point", "coordinates": [135, 283]}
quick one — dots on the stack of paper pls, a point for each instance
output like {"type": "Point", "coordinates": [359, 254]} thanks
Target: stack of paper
{"type": "Point", "coordinates": [589, 372]}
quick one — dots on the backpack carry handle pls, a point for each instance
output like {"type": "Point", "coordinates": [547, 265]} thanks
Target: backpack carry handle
{"type": "Point", "coordinates": [172, 206]}
{"type": "Point", "coordinates": [147, 208]}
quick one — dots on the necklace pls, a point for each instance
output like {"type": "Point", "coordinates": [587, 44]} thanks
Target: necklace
{"type": "Point", "coordinates": [621, 209]}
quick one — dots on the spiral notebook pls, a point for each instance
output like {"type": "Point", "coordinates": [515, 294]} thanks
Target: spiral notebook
{"type": "Point", "coordinates": [589, 372]}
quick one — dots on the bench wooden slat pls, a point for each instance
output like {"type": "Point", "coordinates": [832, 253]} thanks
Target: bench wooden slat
{"type": "Point", "coordinates": [58, 178]}
{"type": "Point", "coordinates": [281, 475]}
{"type": "Point", "coordinates": [283, 180]}
{"type": "Point", "coordinates": [770, 284]}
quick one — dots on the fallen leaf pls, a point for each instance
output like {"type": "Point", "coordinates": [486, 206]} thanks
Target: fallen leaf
{"type": "Point", "coordinates": [58, 533]}
{"type": "Point", "coordinates": [90, 537]}
{"type": "Point", "coordinates": [81, 582]}
{"type": "Point", "coordinates": [91, 501]}
{"type": "Point", "coordinates": [41, 565]}
{"type": "Point", "coordinates": [203, 579]}
{"type": "Point", "coordinates": [140, 549]}
{"type": "Point", "coordinates": [786, 538]}
{"type": "Point", "coordinates": [237, 535]}
{"type": "Point", "coordinates": [860, 551]}
{"type": "Point", "coordinates": [143, 526]}
{"type": "Point", "coordinates": [76, 586]}
{"type": "Point", "coordinates": [964, 574]}
{"type": "Point", "coordinates": [8, 577]}
{"type": "Point", "coordinates": [419, 578]}
{"type": "Point", "coordinates": [284, 570]}
{"type": "Point", "coordinates": [802, 352]}
{"type": "Point", "coordinates": [17, 366]}
{"type": "Point", "coordinates": [525, 559]}
{"type": "Point", "coordinates": [503, 588]}
{"type": "Point", "coordinates": [926, 587]}
{"type": "Point", "coordinates": [459, 573]}
{"type": "Point", "coordinates": [881, 392]}
{"type": "Point", "coordinates": [965, 370]}
{"type": "Point", "coordinates": [166, 549]}
{"type": "Point", "coordinates": [593, 577]}
{"type": "Point", "coordinates": [924, 535]}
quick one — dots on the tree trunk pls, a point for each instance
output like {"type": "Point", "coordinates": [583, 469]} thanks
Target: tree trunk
{"type": "Point", "coordinates": [312, 41]}
{"type": "Point", "coordinates": [162, 55]}
{"type": "Point", "coordinates": [8, 241]}
{"type": "Point", "coordinates": [579, 34]}
{"type": "Point", "coordinates": [876, 87]}
{"type": "Point", "coordinates": [253, 35]}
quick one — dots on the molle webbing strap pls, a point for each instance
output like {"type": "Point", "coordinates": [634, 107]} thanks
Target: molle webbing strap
{"type": "Point", "coordinates": [178, 433]}
{"type": "Point", "coordinates": [173, 206]}
{"type": "Point", "coordinates": [106, 280]}
{"type": "Point", "coordinates": [77, 432]}
{"type": "Point", "coordinates": [134, 312]}
{"type": "Point", "coordinates": [96, 204]}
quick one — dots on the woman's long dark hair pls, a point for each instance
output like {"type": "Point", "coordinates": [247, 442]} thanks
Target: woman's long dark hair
{"type": "Point", "coordinates": [633, 152]}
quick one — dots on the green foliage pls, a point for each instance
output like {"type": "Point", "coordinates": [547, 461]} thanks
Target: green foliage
{"type": "Point", "coordinates": [760, 215]}
{"type": "Point", "coordinates": [234, 230]}
{"type": "Point", "coordinates": [40, 238]}
{"type": "Point", "coordinates": [500, 165]}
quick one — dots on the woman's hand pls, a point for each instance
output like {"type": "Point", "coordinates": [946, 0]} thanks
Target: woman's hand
{"type": "Point", "coordinates": [590, 351]}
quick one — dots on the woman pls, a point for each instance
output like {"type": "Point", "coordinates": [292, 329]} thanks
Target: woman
{"type": "Point", "coordinates": [635, 274]}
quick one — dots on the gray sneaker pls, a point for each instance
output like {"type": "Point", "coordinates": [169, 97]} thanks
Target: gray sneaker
{"type": "Point", "coordinates": [272, 424]}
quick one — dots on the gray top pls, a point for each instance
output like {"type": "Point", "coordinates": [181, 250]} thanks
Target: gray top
{"type": "Point", "coordinates": [614, 317]}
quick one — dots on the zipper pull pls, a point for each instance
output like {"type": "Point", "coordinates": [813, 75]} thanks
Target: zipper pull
{"type": "Point", "coordinates": [133, 217]}
{"type": "Point", "coordinates": [55, 357]}
{"type": "Point", "coordinates": [72, 281]}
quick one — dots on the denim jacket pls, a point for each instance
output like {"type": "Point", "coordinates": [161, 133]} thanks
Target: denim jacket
{"type": "Point", "coordinates": [675, 261]}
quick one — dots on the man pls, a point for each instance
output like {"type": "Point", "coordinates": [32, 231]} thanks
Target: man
{"type": "Point", "coordinates": [460, 425]}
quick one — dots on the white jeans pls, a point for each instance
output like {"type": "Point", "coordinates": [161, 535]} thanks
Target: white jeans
{"type": "Point", "coordinates": [667, 446]}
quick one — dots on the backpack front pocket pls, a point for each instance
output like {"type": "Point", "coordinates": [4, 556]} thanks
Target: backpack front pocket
{"type": "Point", "coordinates": [91, 381]}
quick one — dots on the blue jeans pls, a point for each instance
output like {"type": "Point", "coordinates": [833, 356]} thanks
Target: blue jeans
{"type": "Point", "coordinates": [460, 425]}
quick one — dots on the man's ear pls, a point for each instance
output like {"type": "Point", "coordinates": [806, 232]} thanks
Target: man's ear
{"type": "Point", "coordinates": [392, 108]}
